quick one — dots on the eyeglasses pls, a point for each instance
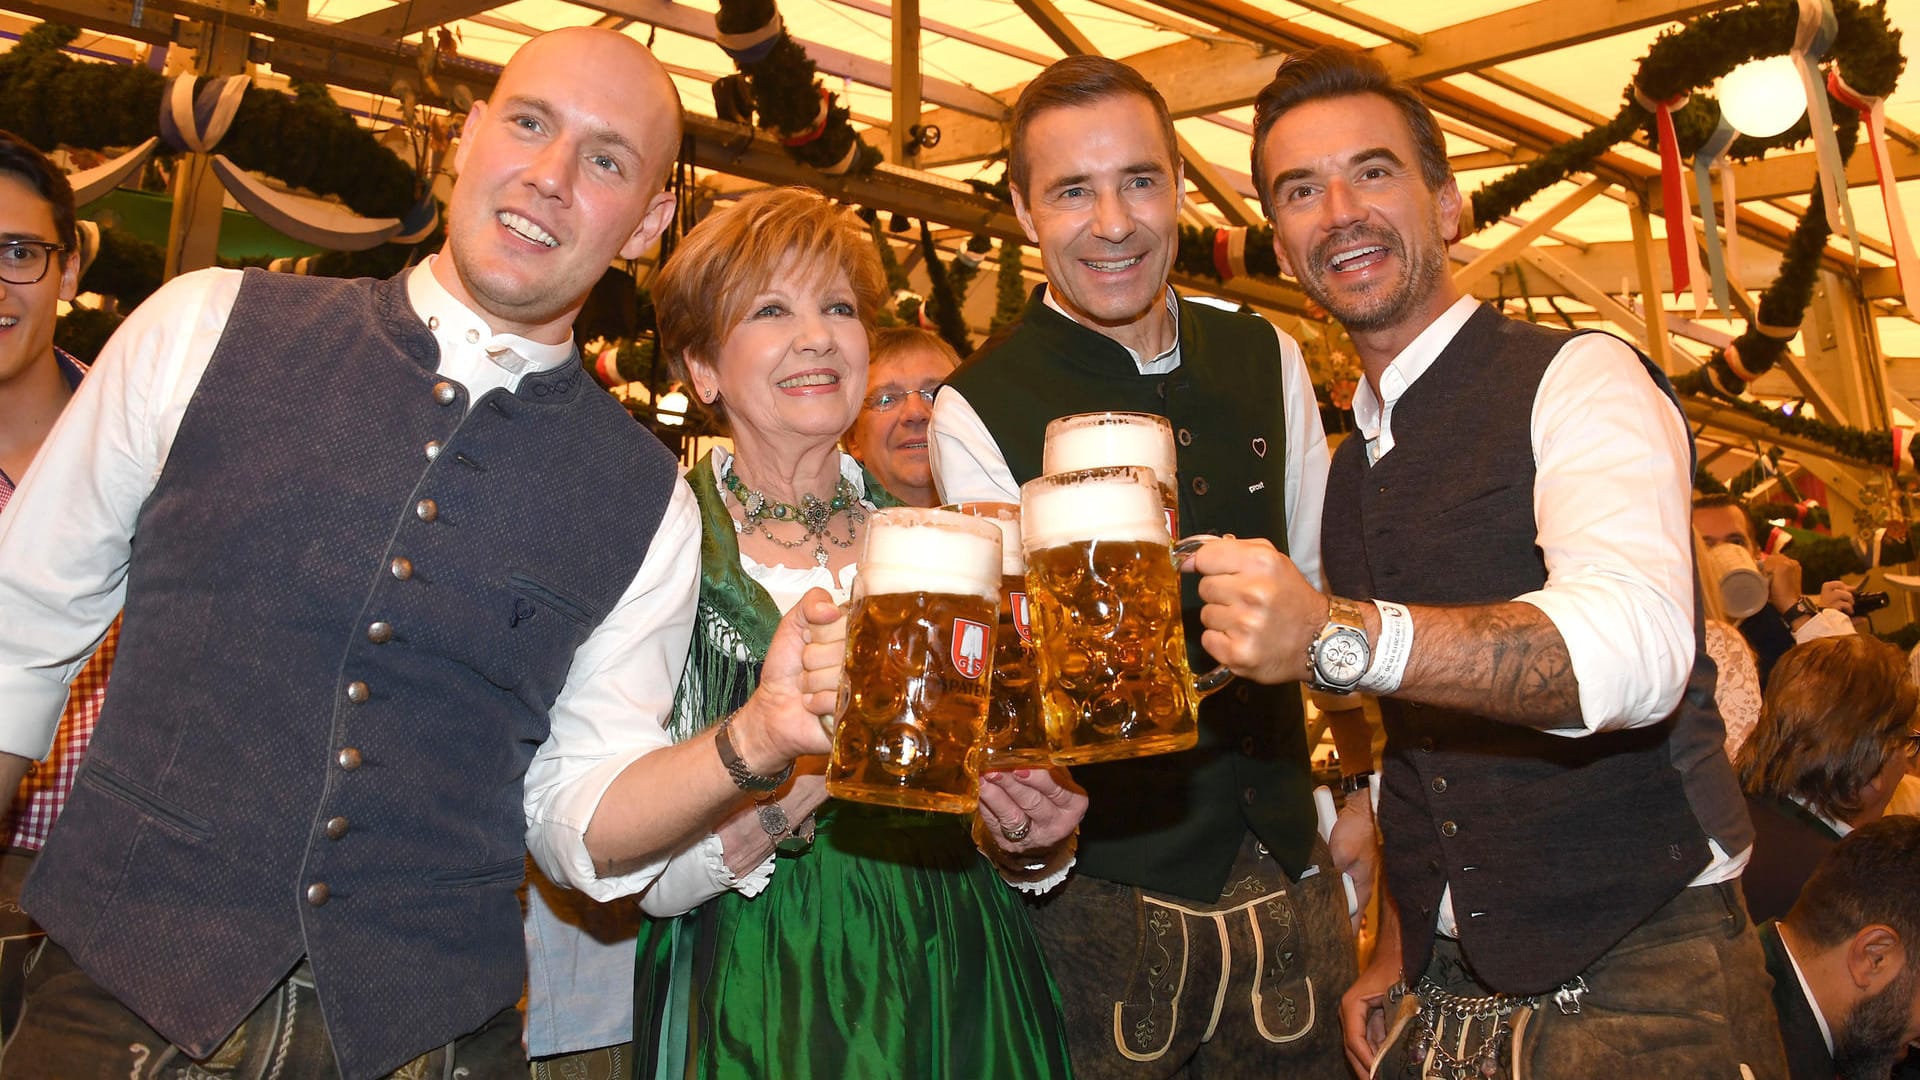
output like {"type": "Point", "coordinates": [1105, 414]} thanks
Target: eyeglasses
{"type": "Point", "coordinates": [1913, 746]}
{"type": "Point", "coordinates": [25, 262]}
{"type": "Point", "coordinates": [891, 400]}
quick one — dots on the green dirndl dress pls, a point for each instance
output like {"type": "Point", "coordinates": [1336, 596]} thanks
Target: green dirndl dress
{"type": "Point", "coordinates": [889, 949]}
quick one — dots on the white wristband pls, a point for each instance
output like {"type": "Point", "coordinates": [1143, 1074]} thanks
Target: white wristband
{"type": "Point", "coordinates": [1390, 654]}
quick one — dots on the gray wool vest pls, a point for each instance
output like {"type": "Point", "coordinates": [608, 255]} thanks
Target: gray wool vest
{"type": "Point", "coordinates": [1174, 822]}
{"type": "Point", "coordinates": [350, 606]}
{"type": "Point", "coordinates": [1555, 847]}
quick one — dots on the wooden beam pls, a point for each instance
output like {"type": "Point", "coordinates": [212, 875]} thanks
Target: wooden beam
{"type": "Point", "coordinates": [682, 19]}
{"type": "Point", "coordinates": [1542, 26]}
{"type": "Point", "coordinates": [1780, 176]}
{"type": "Point", "coordinates": [1360, 20]}
{"type": "Point", "coordinates": [1505, 251]}
{"type": "Point", "coordinates": [412, 16]}
{"type": "Point", "coordinates": [1058, 28]}
{"type": "Point", "coordinates": [1655, 338]}
{"type": "Point", "coordinates": [906, 81]}
{"type": "Point", "coordinates": [1726, 418]}
{"type": "Point", "coordinates": [948, 30]}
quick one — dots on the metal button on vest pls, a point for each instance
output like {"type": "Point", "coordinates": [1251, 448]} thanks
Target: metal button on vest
{"type": "Point", "coordinates": [1185, 437]}
{"type": "Point", "coordinates": [380, 632]}
{"type": "Point", "coordinates": [1246, 746]}
{"type": "Point", "coordinates": [1241, 695]}
{"type": "Point", "coordinates": [402, 567]}
{"type": "Point", "coordinates": [1439, 785]}
{"type": "Point", "coordinates": [348, 757]}
{"type": "Point", "coordinates": [336, 828]}
{"type": "Point", "coordinates": [1426, 745]}
{"type": "Point", "coordinates": [444, 392]}
{"type": "Point", "coordinates": [426, 510]}
{"type": "Point", "coordinates": [433, 449]}
{"type": "Point", "coordinates": [317, 893]}
{"type": "Point", "coordinates": [1199, 485]}
{"type": "Point", "coordinates": [433, 322]}
{"type": "Point", "coordinates": [1247, 796]}
{"type": "Point", "coordinates": [357, 692]}
{"type": "Point", "coordinates": [1448, 828]}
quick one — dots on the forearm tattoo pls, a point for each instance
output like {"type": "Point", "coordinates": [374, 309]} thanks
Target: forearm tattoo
{"type": "Point", "coordinates": [1504, 661]}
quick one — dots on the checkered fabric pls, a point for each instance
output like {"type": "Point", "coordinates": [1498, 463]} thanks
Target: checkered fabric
{"type": "Point", "coordinates": [45, 789]}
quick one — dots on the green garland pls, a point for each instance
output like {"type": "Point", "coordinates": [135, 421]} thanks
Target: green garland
{"type": "Point", "coordinates": [943, 304]}
{"type": "Point", "coordinates": [786, 94]}
{"type": "Point", "coordinates": [303, 139]}
{"type": "Point", "coordinates": [1009, 287]}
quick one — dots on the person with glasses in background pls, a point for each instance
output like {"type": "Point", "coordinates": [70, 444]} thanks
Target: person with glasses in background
{"type": "Point", "coordinates": [889, 437]}
{"type": "Point", "coordinates": [39, 267]}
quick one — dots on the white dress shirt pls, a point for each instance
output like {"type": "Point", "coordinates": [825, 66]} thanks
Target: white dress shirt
{"type": "Point", "coordinates": [1806, 991]}
{"type": "Point", "coordinates": [1612, 503]}
{"type": "Point", "coordinates": [65, 541]}
{"type": "Point", "coordinates": [968, 464]}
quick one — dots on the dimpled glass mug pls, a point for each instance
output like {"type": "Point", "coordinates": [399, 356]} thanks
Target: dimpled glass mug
{"type": "Point", "coordinates": [1096, 440]}
{"type": "Point", "coordinates": [1109, 646]}
{"type": "Point", "coordinates": [1016, 732]}
{"type": "Point", "coordinates": [914, 693]}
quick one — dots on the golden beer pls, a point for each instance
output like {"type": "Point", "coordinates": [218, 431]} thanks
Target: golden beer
{"type": "Point", "coordinates": [1099, 439]}
{"type": "Point", "coordinates": [1110, 650]}
{"type": "Point", "coordinates": [1016, 732]}
{"type": "Point", "coordinates": [914, 692]}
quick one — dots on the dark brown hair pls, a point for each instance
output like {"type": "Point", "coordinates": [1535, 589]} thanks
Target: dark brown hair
{"type": "Point", "coordinates": [20, 159]}
{"type": "Point", "coordinates": [1331, 71]}
{"type": "Point", "coordinates": [1872, 876]}
{"type": "Point", "coordinates": [1836, 710]}
{"type": "Point", "coordinates": [1077, 82]}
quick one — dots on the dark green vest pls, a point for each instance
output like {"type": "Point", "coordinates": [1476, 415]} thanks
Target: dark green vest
{"type": "Point", "coordinates": [1173, 823]}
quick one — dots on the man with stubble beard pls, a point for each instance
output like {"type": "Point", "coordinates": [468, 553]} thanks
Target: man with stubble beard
{"type": "Point", "coordinates": [1506, 544]}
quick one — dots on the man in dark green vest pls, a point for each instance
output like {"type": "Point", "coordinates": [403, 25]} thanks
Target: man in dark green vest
{"type": "Point", "coordinates": [1203, 929]}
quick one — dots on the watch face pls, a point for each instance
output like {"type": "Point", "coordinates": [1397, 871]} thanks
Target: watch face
{"type": "Point", "coordinates": [1341, 659]}
{"type": "Point", "coordinates": [774, 820]}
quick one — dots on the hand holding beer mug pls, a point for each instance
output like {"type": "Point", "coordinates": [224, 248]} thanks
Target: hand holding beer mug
{"type": "Point", "coordinates": [919, 655]}
{"type": "Point", "coordinates": [1110, 647]}
{"type": "Point", "coordinates": [1097, 440]}
{"type": "Point", "coordinates": [1016, 734]}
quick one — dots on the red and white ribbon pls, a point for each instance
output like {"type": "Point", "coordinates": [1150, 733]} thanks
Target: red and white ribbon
{"type": "Point", "coordinates": [1875, 112]}
{"type": "Point", "coordinates": [1813, 35]}
{"type": "Point", "coordinates": [1230, 253]}
{"type": "Point", "coordinates": [1683, 252]}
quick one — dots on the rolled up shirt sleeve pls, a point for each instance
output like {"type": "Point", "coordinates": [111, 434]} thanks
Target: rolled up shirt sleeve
{"type": "Point", "coordinates": [67, 533]}
{"type": "Point", "coordinates": [1613, 511]}
{"type": "Point", "coordinates": [614, 706]}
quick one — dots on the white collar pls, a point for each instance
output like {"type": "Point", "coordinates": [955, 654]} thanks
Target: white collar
{"type": "Point", "coordinates": [461, 331]}
{"type": "Point", "coordinates": [1806, 991]}
{"type": "Point", "coordinates": [1370, 408]}
{"type": "Point", "coordinates": [1840, 828]}
{"type": "Point", "coordinates": [1160, 364]}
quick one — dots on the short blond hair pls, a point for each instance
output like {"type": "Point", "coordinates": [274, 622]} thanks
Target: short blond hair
{"type": "Point", "coordinates": [708, 282]}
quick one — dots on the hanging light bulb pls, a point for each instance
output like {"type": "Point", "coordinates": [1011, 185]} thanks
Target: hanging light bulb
{"type": "Point", "coordinates": [1762, 98]}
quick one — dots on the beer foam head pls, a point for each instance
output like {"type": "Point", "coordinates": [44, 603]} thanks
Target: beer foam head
{"type": "Point", "coordinates": [1120, 503]}
{"type": "Point", "coordinates": [1013, 561]}
{"type": "Point", "coordinates": [910, 550]}
{"type": "Point", "coordinates": [1095, 440]}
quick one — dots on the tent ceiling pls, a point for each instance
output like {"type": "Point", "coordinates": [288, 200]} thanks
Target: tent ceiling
{"type": "Point", "coordinates": [1509, 77]}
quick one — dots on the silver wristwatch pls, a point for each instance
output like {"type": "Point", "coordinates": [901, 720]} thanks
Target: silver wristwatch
{"type": "Point", "coordinates": [1338, 657]}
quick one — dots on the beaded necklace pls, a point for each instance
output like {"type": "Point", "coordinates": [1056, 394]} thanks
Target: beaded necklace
{"type": "Point", "coordinates": [812, 515]}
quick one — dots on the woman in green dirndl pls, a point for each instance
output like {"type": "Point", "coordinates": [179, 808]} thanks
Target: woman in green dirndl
{"type": "Point", "coordinates": [808, 937]}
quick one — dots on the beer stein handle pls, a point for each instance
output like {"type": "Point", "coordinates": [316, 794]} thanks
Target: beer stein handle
{"type": "Point", "coordinates": [1209, 681]}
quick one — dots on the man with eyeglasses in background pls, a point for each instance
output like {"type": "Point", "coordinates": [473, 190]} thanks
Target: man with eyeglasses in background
{"type": "Point", "coordinates": [889, 437]}
{"type": "Point", "coordinates": [39, 267]}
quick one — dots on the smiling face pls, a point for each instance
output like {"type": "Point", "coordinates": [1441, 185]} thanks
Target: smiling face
{"type": "Point", "coordinates": [1102, 202]}
{"type": "Point", "coordinates": [793, 370]}
{"type": "Point", "coordinates": [27, 312]}
{"type": "Point", "coordinates": [1354, 221]}
{"type": "Point", "coordinates": [893, 442]}
{"type": "Point", "coordinates": [559, 172]}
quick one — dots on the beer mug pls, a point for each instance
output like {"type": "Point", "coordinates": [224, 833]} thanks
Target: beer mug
{"type": "Point", "coordinates": [1110, 649]}
{"type": "Point", "coordinates": [1097, 440]}
{"type": "Point", "coordinates": [1743, 589]}
{"type": "Point", "coordinates": [913, 694]}
{"type": "Point", "coordinates": [1016, 734]}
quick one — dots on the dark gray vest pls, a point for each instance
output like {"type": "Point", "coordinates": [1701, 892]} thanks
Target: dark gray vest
{"type": "Point", "coordinates": [1174, 822]}
{"type": "Point", "coordinates": [1555, 847]}
{"type": "Point", "coordinates": [349, 609]}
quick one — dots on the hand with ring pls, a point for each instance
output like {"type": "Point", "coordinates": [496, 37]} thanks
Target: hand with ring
{"type": "Point", "coordinates": [1029, 810]}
